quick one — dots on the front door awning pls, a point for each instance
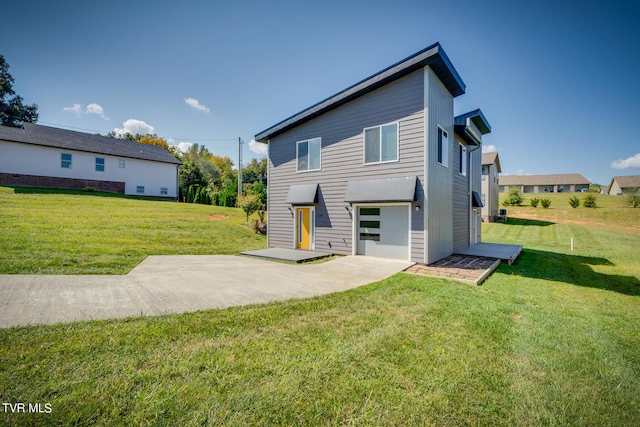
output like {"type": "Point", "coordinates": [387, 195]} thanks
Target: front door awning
{"type": "Point", "coordinates": [303, 194]}
{"type": "Point", "coordinates": [382, 190]}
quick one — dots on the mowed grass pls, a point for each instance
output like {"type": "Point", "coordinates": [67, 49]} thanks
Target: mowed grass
{"type": "Point", "coordinates": [550, 340]}
{"type": "Point", "coordinates": [612, 212]}
{"type": "Point", "coordinates": [54, 232]}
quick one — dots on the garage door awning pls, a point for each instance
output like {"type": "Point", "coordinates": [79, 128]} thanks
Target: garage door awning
{"type": "Point", "coordinates": [382, 190]}
{"type": "Point", "coordinates": [303, 194]}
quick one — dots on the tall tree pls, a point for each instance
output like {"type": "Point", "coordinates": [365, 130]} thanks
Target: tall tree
{"type": "Point", "coordinates": [13, 112]}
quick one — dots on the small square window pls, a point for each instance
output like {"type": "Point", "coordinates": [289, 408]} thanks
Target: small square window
{"type": "Point", "coordinates": [140, 189]}
{"type": "Point", "coordinates": [99, 164]}
{"type": "Point", "coordinates": [381, 144]}
{"type": "Point", "coordinates": [121, 164]}
{"type": "Point", "coordinates": [164, 190]}
{"type": "Point", "coordinates": [308, 154]}
{"type": "Point", "coordinates": [66, 161]}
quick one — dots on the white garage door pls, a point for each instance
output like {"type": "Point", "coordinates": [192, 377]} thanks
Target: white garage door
{"type": "Point", "coordinates": [383, 231]}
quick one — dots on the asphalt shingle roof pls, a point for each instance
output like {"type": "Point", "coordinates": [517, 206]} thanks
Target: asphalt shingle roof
{"type": "Point", "coordinates": [491, 158]}
{"type": "Point", "coordinates": [71, 140]}
{"type": "Point", "coordinates": [554, 179]}
{"type": "Point", "coordinates": [631, 181]}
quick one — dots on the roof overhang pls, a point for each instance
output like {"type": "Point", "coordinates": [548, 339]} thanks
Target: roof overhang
{"type": "Point", "coordinates": [433, 56]}
{"type": "Point", "coordinates": [382, 190]}
{"type": "Point", "coordinates": [303, 194]}
{"type": "Point", "coordinates": [471, 126]}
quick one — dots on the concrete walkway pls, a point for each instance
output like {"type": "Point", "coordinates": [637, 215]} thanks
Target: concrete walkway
{"type": "Point", "coordinates": [177, 284]}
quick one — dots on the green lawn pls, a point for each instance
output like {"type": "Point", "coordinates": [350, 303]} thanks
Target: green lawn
{"type": "Point", "coordinates": [53, 232]}
{"type": "Point", "coordinates": [612, 212]}
{"type": "Point", "coordinates": [550, 340]}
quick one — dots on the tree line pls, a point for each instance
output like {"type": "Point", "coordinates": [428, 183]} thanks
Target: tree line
{"type": "Point", "coordinates": [209, 179]}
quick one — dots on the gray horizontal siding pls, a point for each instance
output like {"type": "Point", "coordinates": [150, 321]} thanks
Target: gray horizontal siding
{"type": "Point", "coordinates": [342, 154]}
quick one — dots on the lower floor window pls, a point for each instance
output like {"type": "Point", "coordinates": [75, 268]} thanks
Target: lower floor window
{"type": "Point", "coordinates": [140, 189]}
{"type": "Point", "coordinates": [164, 190]}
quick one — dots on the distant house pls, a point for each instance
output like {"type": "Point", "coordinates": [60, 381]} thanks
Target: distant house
{"type": "Point", "coordinates": [490, 171]}
{"type": "Point", "coordinates": [382, 168]}
{"type": "Point", "coordinates": [624, 185]}
{"type": "Point", "coordinates": [559, 183]}
{"type": "Point", "coordinates": [42, 156]}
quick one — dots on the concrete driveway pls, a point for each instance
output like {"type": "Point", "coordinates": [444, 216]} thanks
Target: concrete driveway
{"type": "Point", "coordinates": [177, 284]}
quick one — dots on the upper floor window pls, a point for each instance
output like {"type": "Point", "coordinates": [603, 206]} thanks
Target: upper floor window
{"type": "Point", "coordinates": [381, 143]}
{"type": "Point", "coordinates": [462, 160]}
{"type": "Point", "coordinates": [121, 164]}
{"type": "Point", "coordinates": [443, 147]}
{"type": "Point", "coordinates": [308, 154]}
{"type": "Point", "coordinates": [99, 164]}
{"type": "Point", "coordinates": [66, 161]}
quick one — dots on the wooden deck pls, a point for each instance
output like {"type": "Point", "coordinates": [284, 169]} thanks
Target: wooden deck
{"type": "Point", "coordinates": [507, 253]}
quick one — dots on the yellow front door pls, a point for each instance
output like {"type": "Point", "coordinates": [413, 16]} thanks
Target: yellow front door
{"type": "Point", "coordinates": [303, 228]}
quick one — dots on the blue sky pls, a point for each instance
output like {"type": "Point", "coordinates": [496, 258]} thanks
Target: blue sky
{"type": "Point", "coordinates": [557, 80]}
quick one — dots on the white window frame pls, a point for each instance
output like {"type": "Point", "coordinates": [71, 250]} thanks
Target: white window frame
{"type": "Point", "coordinates": [442, 147]}
{"type": "Point", "coordinates": [364, 144]}
{"type": "Point", "coordinates": [139, 189]}
{"type": "Point", "coordinates": [164, 190]}
{"type": "Point", "coordinates": [462, 160]}
{"type": "Point", "coordinates": [98, 165]}
{"type": "Point", "coordinates": [63, 161]}
{"type": "Point", "coordinates": [308, 142]}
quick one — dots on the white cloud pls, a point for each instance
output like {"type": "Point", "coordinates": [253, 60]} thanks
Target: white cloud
{"type": "Point", "coordinates": [489, 148]}
{"type": "Point", "coordinates": [196, 104]}
{"type": "Point", "coordinates": [520, 172]}
{"type": "Point", "coordinates": [134, 127]}
{"type": "Point", "coordinates": [77, 108]}
{"type": "Point", "coordinates": [96, 109]}
{"type": "Point", "coordinates": [183, 146]}
{"type": "Point", "coordinates": [631, 162]}
{"type": "Point", "coordinates": [91, 109]}
{"type": "Point", "coordinates": [258, 147]}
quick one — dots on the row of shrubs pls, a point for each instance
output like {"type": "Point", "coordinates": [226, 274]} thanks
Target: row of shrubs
{"type": "Point", "coordinates": [514, 198]}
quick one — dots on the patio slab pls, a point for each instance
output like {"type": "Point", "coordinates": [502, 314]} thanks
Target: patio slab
{"type": "Point", "coordinates": [286, 255]}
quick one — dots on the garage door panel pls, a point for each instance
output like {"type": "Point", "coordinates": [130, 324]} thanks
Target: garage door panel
{"type": "Point", "coordinates": [386, 234]}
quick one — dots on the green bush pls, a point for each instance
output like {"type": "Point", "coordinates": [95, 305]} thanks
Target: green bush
{"type": "Point", "coordinates": [89, 189]}
{"type": "Point", "coordinates": [534, 202]}
{"type": "Point", "coordinates": [574, 202]}
{"type": "Point", "coordinates": [633, 200]}
{"type": "Point", "coordinates": [545, 203]}
{"type": "Point", "coordinates": [513, 199]}
{"type": "Point", "coordinates": [250, 203]}
{"type": "Point", "coordinates": [589, 201]}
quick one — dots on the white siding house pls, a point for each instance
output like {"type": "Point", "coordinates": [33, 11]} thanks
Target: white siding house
{"type": "Point", "coordinates": [41, 156]}
{"type": "Point", "coordinates": [375, 169]}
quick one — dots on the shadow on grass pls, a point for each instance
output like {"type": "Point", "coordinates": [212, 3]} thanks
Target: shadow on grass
{"type": "Point", "coordinates": [528, 222]}
{"type": "Point", "coordinates": [572, 269]}
{"type": "Point", "coordinates": [43, 190]}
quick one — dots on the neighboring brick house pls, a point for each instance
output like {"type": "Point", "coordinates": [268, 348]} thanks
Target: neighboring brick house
{"type": "Point", "coordinates": [382, 168]}
{"type": "Point", "coordinates": [557, 183]}
{"type": "Point", "coordinates": [42, 156]}
{"type": "Point", "coordinates": [491, 170]}
{"type": "Point", "coordinates": [624, 185]}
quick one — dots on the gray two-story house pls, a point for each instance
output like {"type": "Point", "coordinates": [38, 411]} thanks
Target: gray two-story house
{"type": "Point", "coordinates": [382, 168]}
